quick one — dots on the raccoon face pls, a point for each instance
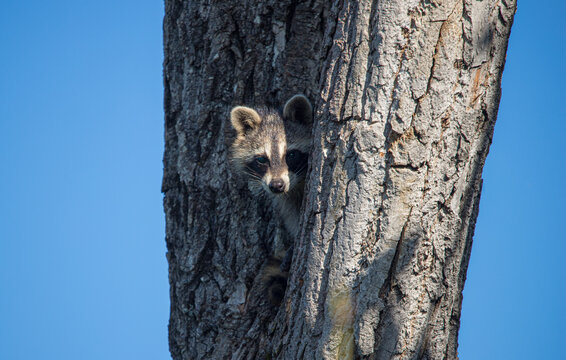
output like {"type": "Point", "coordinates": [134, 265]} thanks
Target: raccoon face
{"type": "Point", "coordinates": [278, 168]}
{"type": "Point", "coordinates": [273, 149]}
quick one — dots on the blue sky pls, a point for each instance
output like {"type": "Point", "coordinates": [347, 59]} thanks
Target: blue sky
{"type": "Point", "coordinates": [514, 296]}
{"type": "Point", "coordinates": [83, 273]}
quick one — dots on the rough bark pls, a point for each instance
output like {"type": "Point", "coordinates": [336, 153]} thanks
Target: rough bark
{"type": "Point", "coordinates": [406, 96]}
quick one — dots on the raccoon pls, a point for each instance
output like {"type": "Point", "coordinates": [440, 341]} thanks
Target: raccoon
{"type": "Point", "coordinates": [272, 150]}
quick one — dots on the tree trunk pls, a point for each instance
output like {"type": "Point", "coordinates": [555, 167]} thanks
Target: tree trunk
{"type": "Point", "coordinates": [405, 96]}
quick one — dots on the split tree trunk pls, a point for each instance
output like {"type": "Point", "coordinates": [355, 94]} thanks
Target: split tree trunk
{"type": "Point", "coordinates": [406, 96]}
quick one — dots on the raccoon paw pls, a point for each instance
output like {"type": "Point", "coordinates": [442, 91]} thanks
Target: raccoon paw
{"type": "Point", "coordinates": [275, 281]}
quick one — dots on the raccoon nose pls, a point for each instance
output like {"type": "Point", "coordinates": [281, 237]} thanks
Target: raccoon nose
{"type": "Point", "coordinates": [277, 186]}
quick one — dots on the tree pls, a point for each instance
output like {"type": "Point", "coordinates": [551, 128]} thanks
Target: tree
{"type": "Point", "coordinates": [406, 96]}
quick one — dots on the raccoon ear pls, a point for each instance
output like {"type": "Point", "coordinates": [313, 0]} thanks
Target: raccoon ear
{"type": "Point", "coordinates": [298, 109]}
{"type": "Point", "coordinates": [244, 119]}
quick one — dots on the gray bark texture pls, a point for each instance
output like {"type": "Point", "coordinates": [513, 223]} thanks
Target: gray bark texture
{"type": "Point", "coordinates": [405, 94]}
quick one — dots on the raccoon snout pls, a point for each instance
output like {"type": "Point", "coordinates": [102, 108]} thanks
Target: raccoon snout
{"type": "Point", "coordinates": [277, 186]}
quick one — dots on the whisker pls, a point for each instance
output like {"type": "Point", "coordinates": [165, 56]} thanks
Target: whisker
{"type": "Point", "coordinates": [253, 174]}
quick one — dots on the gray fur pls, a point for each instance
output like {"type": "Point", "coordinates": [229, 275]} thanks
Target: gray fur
{"type": "Point", "coordinates": [256, 127]}
{"type": "Point", "coordinates": [262, 150]}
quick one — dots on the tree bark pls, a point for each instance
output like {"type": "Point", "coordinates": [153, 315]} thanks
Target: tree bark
{"type": "Point", "coordinates": [406, 96]}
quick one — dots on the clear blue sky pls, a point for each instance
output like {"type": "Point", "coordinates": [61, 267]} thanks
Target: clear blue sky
{"type": "Point", "coordinates": [83, 273]}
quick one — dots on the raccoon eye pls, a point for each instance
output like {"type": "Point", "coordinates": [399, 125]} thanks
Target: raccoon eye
{"type": "Point", "coordinates": [258, 166]}
{"type": "Point", "coordinates": [296, 160]}
{"type": "Point", "coordinates": [261, 160]}
{"type": "Point", "coordinates": [293, 155]}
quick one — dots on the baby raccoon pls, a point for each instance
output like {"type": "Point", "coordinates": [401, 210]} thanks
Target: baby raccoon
{"type": "Point", "coordinates": [272, 149]}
